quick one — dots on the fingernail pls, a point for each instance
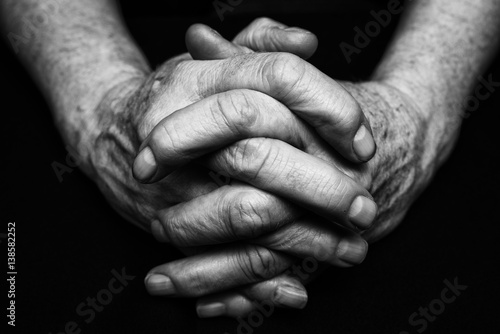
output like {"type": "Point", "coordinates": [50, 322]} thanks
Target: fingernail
{"type": "Point", "coordinates": [362, 212]}
{"type": "Point", "coordinates": [145, 165]}
{"type": "Point", "coordinates": [159, 285]}
{"type": "Point", "coordinates": [295, 29]}
{"type": "Point", "coordinates": [215, 32]}
{"type": "Point", "coordinates": [353, 252]}
{"type": "Point", "coordinates": [363, 144]}
{"type": "Point", "coordinates": [211, 310]}
{"type": "Point", "coordinates": [290, 296]}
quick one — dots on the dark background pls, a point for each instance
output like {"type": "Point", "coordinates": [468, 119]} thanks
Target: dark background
{"type": "Point", "coordinates": [68, 240]}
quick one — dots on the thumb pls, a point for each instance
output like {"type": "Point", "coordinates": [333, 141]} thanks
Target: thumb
{"type": "Point", "coordinates": [204, 43]}
{"type": "Point", "coordinates": [267, 35]}
{"type": "Point", "coordinates": [262, 35]}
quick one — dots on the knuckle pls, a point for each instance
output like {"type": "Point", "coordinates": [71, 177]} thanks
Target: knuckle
{"type": "Point", "coordinates": [284, 60]}
{"type": "Point", "coordinates": [238, 110]}
{"type": "Point", "coordinates": [248, 215]}
{"type": "Point", "coordinates": [249, 157]}
{"type": "Point", "coordinates": [150, 99]}
{"type": "Point", "coordinates": [262, 21]}
{"type": "Point", "coordinates": [283, 71]}
{"type": "Point", "coordinates": [255, 29]}
{"type": "Point", "coordinates": [171, 67]}
{"type": "Point", "coordinates": [259, 264]}
{"type": "Point", "coordinates": [289, 237]}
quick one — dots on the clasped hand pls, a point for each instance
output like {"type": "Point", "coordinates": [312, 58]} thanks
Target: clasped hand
{"type": "Point", "coordinates": [296, 145]}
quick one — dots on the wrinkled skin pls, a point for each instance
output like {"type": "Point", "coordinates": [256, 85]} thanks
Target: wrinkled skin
{"type": "Point", "coordinates": [395, 176]}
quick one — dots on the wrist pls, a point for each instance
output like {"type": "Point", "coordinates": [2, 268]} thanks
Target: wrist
{"type": "Point", "coordinates": [88, 86]}
{"type": "Point", "coordinates": [105, 115]}
{"type": "Point", "coordinates": [422, 85]}
{"type": "Point", "coordinates": [408, 142]}
{"type": "Point", "coordinates": [108, 143]}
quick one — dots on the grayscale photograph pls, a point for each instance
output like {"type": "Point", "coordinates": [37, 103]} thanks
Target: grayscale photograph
{"type": "Point", "coordinates": [250, 166]}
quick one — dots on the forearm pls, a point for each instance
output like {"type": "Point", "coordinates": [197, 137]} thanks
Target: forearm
{"type": "Point", "coordinates": [415, 100]}
{"type": "Point", "coordinates": [76, 51]}
{"type": "Point", "coordinates": [436, 57]}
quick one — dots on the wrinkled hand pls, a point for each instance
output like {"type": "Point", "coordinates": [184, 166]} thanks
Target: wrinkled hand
{"type": "Point", "coordinates": [400, 166]}
{"type": "Point", "coordinates": [133, 109]}
{"type": "Point", "coordinates": [392, 176]}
